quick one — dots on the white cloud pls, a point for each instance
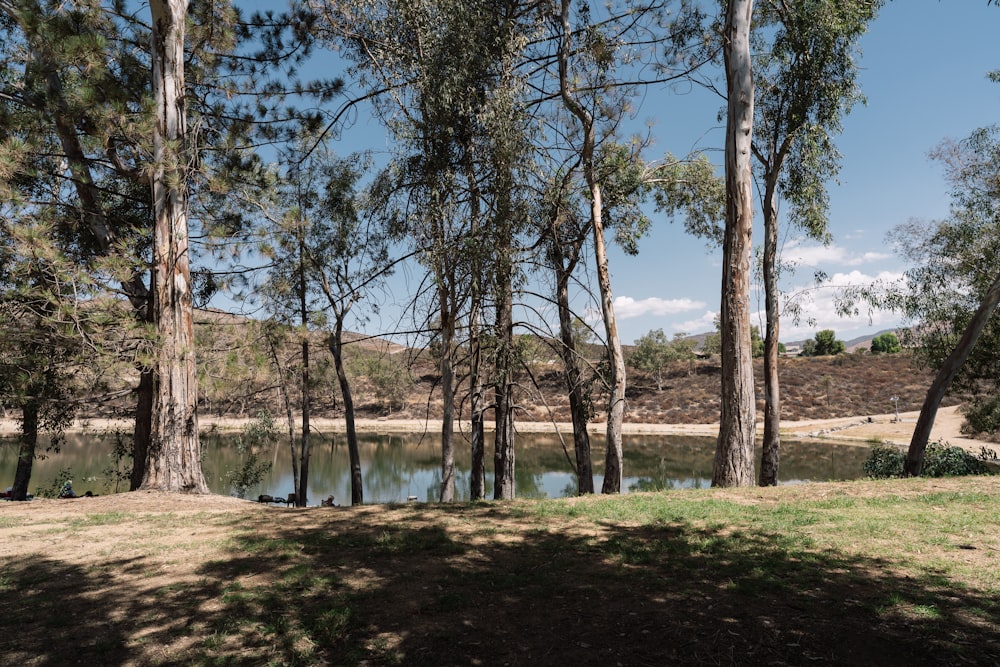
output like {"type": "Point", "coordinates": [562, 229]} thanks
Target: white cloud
{"type": "Point", "coordinates": [819, 310]}
{"type": "Point", "coordinates": [704, 323]}
{"type": "Point", "coordinates": [796, 252]}
{"type": "Point", "coordinates": [627, 307]}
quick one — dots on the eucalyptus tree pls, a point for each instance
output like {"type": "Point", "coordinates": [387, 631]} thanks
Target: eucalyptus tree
{"type": "Point", "coordinates": [80, 74]}
{"type": "Point", "coordinates": [597, 59]}
{"type": "Point", "coordinates": [436, 75]}
{"type": "Point", "coordinates": [335, 252]}
{"type": "Point", "coordinates": [953, 287]}
{"type": "Point", "coordinates": [566, 231]}
{"type": "Point", "coordinates": [734, 452]}
{"type": "Point", "coordinates": [805, 81]}
{"type": "Point", "coordinates": [586, 112]}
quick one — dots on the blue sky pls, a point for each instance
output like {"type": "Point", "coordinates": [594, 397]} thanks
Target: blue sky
{"type": "Point", "coordinates": [924, 73]}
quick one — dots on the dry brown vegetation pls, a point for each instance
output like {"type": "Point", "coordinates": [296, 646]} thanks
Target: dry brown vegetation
{"type": "Point", "coordinates": [239, 377]}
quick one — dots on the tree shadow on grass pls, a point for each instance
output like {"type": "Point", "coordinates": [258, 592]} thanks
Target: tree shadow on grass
{"type": "Point", "coordinates": [413, 594]}
{"type": "Point", "coordinates": [469, 585]}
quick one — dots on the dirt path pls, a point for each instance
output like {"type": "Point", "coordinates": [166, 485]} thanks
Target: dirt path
{"type": "Point", "coordinates": [860, 429]}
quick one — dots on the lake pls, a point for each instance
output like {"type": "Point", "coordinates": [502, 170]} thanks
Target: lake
{"type": "Point", "coordinates": [398, 466]}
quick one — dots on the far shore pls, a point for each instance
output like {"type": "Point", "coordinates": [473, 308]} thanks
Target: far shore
{"type": "Point", "coordinates": [860, 430]}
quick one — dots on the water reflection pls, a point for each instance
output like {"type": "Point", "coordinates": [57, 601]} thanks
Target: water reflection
{"type": "Point", "coordinates": [397, 467]}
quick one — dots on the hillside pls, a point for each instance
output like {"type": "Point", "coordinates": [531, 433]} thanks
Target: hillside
{"type": "Point", "coordinates": [242, 364]}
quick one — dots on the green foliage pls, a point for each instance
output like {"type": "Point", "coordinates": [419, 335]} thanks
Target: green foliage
{"type": "Point", "coordinates": [940, 460]}
{"type": "Point", "coordinates": [119, 470]}
{"type": "Point", "coordinates": [388, 376]}
{"type": "Point", "coordinates": [756, 342]}
{"type": "Point", "coordinates": [825, 343]}
{"type": "Point", "coordinates": [886, 343]}
{"type": "Point", "coordinates": [954, 263]}
{"type": "Point", "coordinates": [653, 353]}
{"type": "Point", "coordinates": [259, 433]}
{"type": "Point", "coordinates": [982, 415]}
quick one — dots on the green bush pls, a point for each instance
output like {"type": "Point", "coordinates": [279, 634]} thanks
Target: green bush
{"type": "Point", "coordinates": [982, 415]}
{"type": "Point", "coordinates": [940, 460]}
{"type": "Point", "coordinates": [884, 461]}
{"type": "Point", "coordinates": [259, 433]}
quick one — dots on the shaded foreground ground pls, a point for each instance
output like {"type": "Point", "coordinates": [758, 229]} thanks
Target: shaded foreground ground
{"type": "Point", "coordinates": [894, 573]}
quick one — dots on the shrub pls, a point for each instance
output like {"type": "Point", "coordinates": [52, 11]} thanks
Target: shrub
{"type": "Point", "coordinates": [884, 461]}
{"type": "Point", "coordinates": [982, 415]}
{"type": "Point", "coordinates": [258, 433]}
{"type": "Point", "coordinates": [886, 343]}
{"type": "Point", "coordinates": [940, 460]}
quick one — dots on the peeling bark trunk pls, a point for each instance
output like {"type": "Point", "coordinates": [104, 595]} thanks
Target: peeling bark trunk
{"type": "Point", "coordinates": [174, 462]}
{"type": "Point", "coordinates": [942, 381]}
{"type": "Point", "coordinates": [477, 390]}
{"type": "Point", "coordinates": [616, 402]}
{"type": "Point", "coordinates": [616, 407]}
{"type": "Point", "coordinates": [770, 458]}
{"type": "Point", "coordinates": [737, 425]}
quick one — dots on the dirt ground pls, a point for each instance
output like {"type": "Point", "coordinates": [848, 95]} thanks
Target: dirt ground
{"type": "Point", "coordinates": [163, 579]}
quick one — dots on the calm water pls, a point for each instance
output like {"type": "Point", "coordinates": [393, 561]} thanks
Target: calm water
{"type": "Point", "coordinates": [396, 467]}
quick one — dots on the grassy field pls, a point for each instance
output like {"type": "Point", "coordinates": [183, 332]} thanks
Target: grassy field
{"type": "Point", "coordinates": [899, 572]}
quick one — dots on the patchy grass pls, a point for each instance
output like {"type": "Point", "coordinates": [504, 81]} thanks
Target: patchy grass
{"type": "Point", "coordinates": [897, 572]}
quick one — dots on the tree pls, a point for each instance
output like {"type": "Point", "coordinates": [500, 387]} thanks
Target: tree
{"type": "Point", "coordinates": [805, 82]}
{"type": "Point", "coordinates": [954, 285]}
{"type": "Point", "coordinates": [653, 353]}
{"type": "Point", "coordinates": [886, 343]}
{"type": "Point", "coordinates": [825, 343]}
{"type": "Point", "coordinates": [737, 425]}
{"type": "Point", "coordinates": [349, 259]}
{"type": "Point", "coordinates": [174, 462]}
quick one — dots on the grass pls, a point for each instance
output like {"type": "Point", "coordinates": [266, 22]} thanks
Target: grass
{"type": "Point", "coordinates": [825, 573]}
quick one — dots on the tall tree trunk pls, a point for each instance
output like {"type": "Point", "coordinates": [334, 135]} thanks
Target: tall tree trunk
{"type": "Point", "coordinates": [504, 487]}
{"type": "Point", "coordinates": [448, 396]}
{"type": "Point", "coordinates": [477, 389]}
{"type": "Point", "coordinates": [286, 401]}
{"type": "Point", "coordinates": [616, 401]}
{"type": "Point", "coordinates": [302, 498]}
{"type": "Point", "coordinates": [737, 424]}
{"type": "Point", "coordinates": [145, 396]}
{"type": "Point", "coordinates": [174, 462]}
{"type": "Point", "coordinates": [578, 401]}
{"type": "Point", "coordinates": [335, 345]}
{"type": "Point", "coordinates": [26, 449]}
{"type": "Point", "coordinates": [946, 374]}
{"type": "Point", "coordinates": [477, 472]}
{"type": "Point", "coordinates": [770, 457]}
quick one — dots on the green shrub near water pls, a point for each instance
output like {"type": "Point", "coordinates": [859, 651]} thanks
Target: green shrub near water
{"type": "Point", "coordinates": [940, 460]}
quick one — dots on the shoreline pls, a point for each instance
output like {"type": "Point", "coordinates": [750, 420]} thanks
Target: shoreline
{"type": "Point", "coordinates": [860, 430]}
